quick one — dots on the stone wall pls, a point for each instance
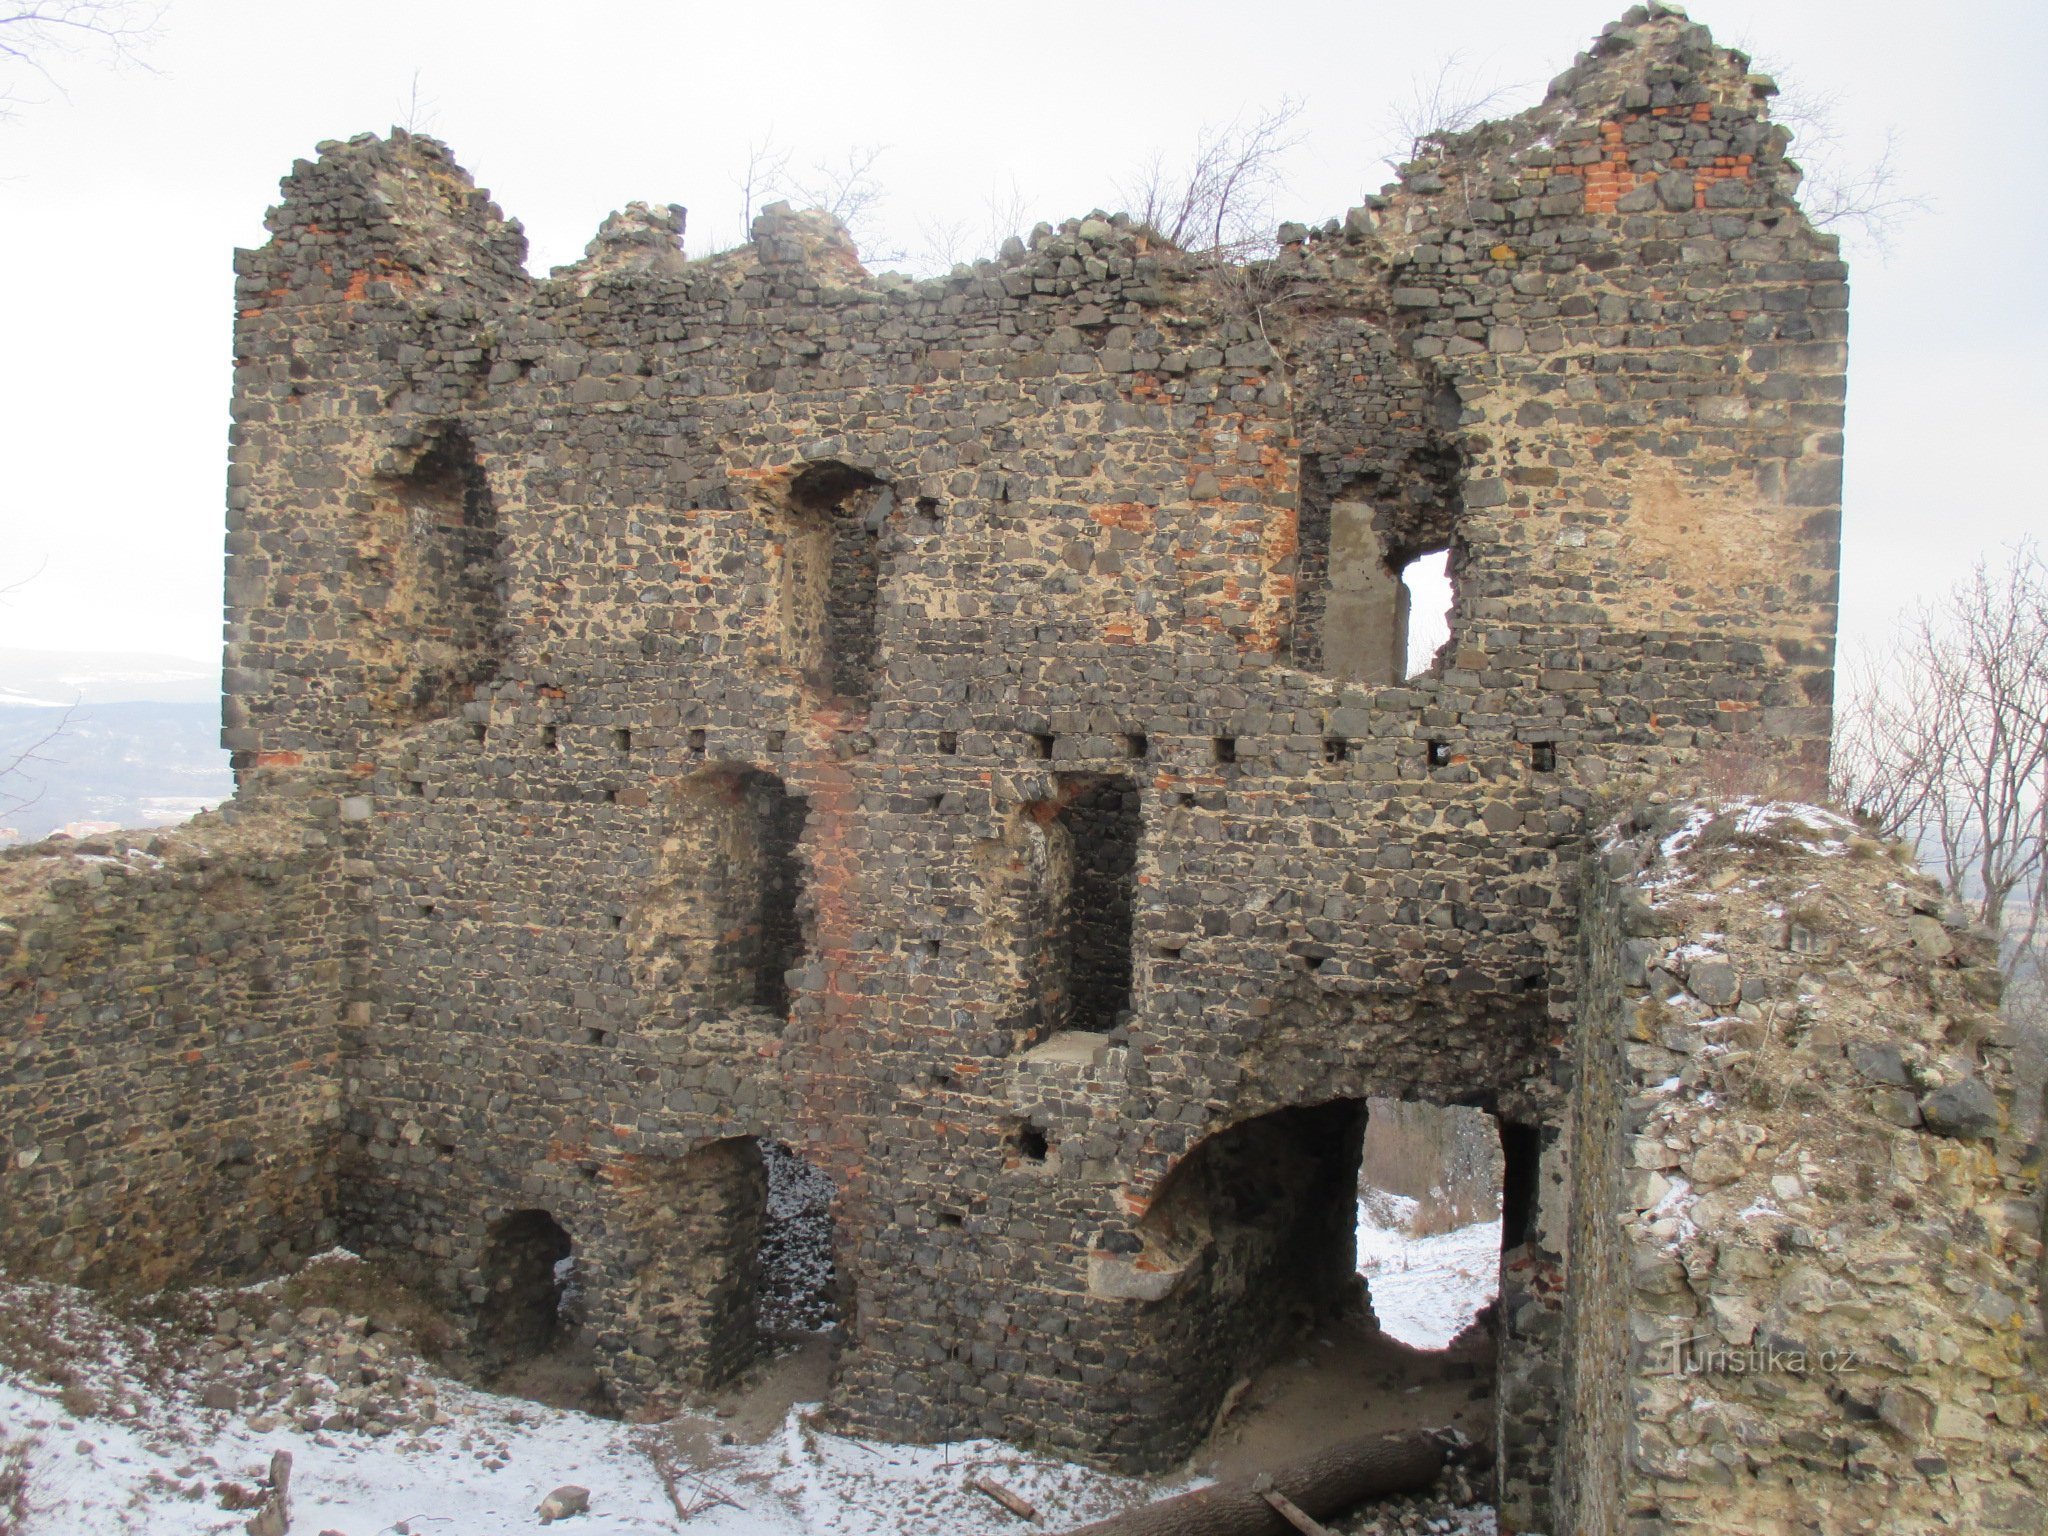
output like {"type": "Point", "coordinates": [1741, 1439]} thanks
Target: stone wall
{"type": "Point", "coordinates": [1805, 1287]}
{"type": "Point", "coordinates": [171, 1005]}
{"type": "Point", "coordinates": [704, 658]}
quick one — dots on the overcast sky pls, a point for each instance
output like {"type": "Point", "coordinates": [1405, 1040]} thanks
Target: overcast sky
{"type": "Point", "coordinates": [122, 198]}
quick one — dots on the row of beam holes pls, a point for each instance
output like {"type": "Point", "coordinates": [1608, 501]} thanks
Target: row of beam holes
{"type": "Point", "coordinates": [1336, 749]}
{"type": "Point", "coordinates": [622, 741]}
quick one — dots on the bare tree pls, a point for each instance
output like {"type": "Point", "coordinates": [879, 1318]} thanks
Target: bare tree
{"type": "Point", "coordinates": [846, 188]}
{"type": "Point", "coordinates": [34, 33]}
{"type": "Point", "coordinates": [1450, 101]}
{"type": "Point", "coordinates": [944, 244]}
{"type": "Point", "coordinates": [1861, 197]}
{"type": "Point", "coordinates": [417, 112]}
{"type": "Point", "coordinates": [20, 786]}
{"type": "Point", "coordinates": [1944, 742]}
{"type": "Point", "coordinates": [1219, 200]}
{"type": "Point", "coordinates": [767, 168]}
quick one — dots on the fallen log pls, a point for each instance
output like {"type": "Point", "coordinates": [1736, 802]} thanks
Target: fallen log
{"type": "Point", "coordinates": [1324, 1484]}
{"type": "Point", "coordinates": [1022, 1508]}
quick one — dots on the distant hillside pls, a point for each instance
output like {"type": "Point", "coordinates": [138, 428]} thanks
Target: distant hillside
{"type": "Point", "coordinates": [105, 677]}
{"type": "Point", "coordinates": [132, 739]}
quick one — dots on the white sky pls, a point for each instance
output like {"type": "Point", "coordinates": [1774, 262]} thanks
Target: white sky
{"type": "Point", "coordinates": [121, 200]}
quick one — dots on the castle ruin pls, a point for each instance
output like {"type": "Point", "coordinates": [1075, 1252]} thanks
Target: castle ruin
{"type": "Point", "coordinates": [699, 718]}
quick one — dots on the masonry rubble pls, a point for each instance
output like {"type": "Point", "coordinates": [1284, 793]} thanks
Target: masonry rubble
{"type": "Point", "coordinates": [956, 731]}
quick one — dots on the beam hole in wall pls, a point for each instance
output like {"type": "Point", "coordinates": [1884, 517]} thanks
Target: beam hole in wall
{"type": "Point", "coordinates": [550, 739]}
{"type": "Point", "coordinates": [1223, 749]}
{"type": "Point", "coordinates": [1029, 1142]}
{"type": "Point", "coordinates": [1543, 756]}
{"type": "Point", "coordinates": [696, 742]}
{"type": "Point", "coordinates": [1439, 754]}
{"type": "Point", "coordinates": [1041, 744]}
{"type": "Point", "coordinates": [1336, 749]}
{"type": "Point", "coordinates": [831, 585]}
{"type": "Point", "coordinates": [949, 743]}
{"type": "Point", "coordinates": [1136, 745]}
{"type": "Point", "coordinates": [622, 740]}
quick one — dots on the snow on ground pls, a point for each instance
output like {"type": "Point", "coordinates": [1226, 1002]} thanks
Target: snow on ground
{"type": "Point", "coordinates": [1425, 1290]}
{"type": "Point", "coordinates": [128, 1449]}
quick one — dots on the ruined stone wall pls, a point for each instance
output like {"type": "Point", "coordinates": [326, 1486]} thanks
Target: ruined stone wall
{"type": "Point", "coordinates": [1595, 352]}
{"type": "Point", "coordinates": [573, 597]}
{"type": "Point", "coordinates": [171, 1007]}
{"type": "Point", "coordinates": [1805, 1287]}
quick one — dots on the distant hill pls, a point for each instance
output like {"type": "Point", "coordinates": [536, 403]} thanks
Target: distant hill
{"type": "Point", "coordinates": [62, 678]}
{"type": "Point", "coordinates": [132, 738]}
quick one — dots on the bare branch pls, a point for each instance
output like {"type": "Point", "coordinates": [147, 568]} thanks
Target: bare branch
{"type": "Point", "coordinates": [417, 112]}
{"type": "Point", "coordinates": [1863, 198]}
{"type": "Point", "coordinates": [1448, 102]}
{"type": "Point", "coordinates": [1219, 201]}
{"type": "Point", "coordinates": [848, 189]}
{"type": "Point", "coordinates": [944, 244]}
{"type": "Point", "coordinates": [1944, 742]}
{"type": "Point", "coordinates": [766, 169]}
{"type": "Point", "coordinates": [19, 787]}
{"type": "Point", "coordinates": [33, 33]}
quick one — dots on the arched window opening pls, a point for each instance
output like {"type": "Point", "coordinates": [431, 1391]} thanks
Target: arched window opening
{"type": "Point", "coordinates": [1102, 818]}
{"type": "Point", "coordinates": [1426, 599]}
{"type": "Point", "coordinates": [722, 924]}
{"type": "Point", "coordinates": [832, 578]}
{"type": "Point", "coordinates": [1063, 897]}
{"type": "Point", "coordinates": [1376, 584]}
{"type": "Point", "coordinates": [428, 575]}
{"type": "Point", "coordinates": [1256, 1297]}
{"type": "Point", "coordinates": [1430, 1208]}
{"type": "Point", "coordinates": [799, 1281]}
{"type": "Point", "coordinates": [527, 1272]}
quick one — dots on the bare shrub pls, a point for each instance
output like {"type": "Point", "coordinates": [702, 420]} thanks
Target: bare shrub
{"type": "Point", "coordinates": [14, 1504]}
{"type": "Point", "coordinates": [1218, 200]}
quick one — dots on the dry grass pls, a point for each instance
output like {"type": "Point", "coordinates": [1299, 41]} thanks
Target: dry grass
{"type": "Point", "coordinates": [358, 1289]}
{"type": "Point", "coordinates": [14, 1507]}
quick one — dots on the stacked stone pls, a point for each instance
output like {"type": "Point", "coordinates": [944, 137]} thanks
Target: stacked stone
{"type": "Point", "coordinates": [1805, 1245]}
{"type": "Point", "coordinates": [1093, 467]}
{"type": "Point", "coordinates": [172, 1091]}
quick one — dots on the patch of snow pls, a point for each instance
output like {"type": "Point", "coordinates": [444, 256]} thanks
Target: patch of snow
{"type": "Point", "coordinates": [1426, 1290]}
{"type": "Point", "coordinates": [150, 1461]}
